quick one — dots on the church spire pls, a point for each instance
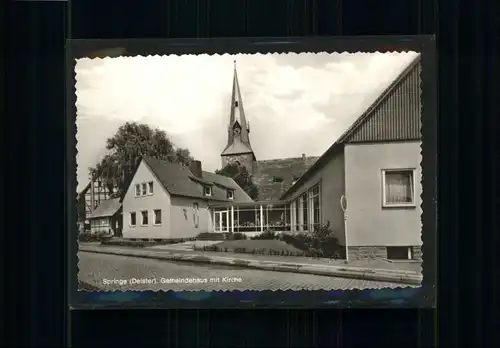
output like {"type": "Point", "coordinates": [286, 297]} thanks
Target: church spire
{"type": "Point", "coordinates": [238, 140]}
{"type": "Point", "coordinates": [237, 117]}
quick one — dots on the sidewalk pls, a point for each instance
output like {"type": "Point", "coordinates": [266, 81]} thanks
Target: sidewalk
{"type": "Point", "coordinates": [372, 264]}
{"type": "Point", "coordinates": [373, 270]}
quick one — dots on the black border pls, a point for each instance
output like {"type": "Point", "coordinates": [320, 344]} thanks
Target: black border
{"type": "Point", "coordinates": [424, 296]}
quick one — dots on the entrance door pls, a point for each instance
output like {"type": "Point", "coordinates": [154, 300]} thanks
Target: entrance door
{"type": "Point", "coordinates": [221, 221]}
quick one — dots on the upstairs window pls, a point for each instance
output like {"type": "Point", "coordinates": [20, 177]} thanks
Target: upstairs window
{"type": "Point", "coordinates": [207, 191]}
{"type": "Point", "coordinates": [144, 189]}
{"type": "Point", "coordinates": [230, 194]}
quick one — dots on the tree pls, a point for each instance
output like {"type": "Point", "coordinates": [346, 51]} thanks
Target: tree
{"type": "Point", "coordinates": [242, 177]}
{"type": "Point", "coordinates": [125, 149]}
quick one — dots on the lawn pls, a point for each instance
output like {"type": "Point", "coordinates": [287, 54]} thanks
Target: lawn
{"type": "Point", "coordinates": [273, 247]}
{"type": "Point", "coordinates": [139, 243]}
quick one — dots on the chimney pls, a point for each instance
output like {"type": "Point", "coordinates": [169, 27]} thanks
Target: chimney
{"type": "Point", "coordinates": [195, 168]}
{"type": "Point", "coordinates": [303, 156]}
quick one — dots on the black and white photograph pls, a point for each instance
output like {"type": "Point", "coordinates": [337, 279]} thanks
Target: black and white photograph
{"type": "Point", "coordinates": [278, 171]}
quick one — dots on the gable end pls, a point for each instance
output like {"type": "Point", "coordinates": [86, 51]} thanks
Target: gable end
{"type": "Point", "coordinates": [395, 116]}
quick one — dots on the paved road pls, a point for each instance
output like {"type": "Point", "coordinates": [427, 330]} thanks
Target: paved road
{"type": "Point", "coordinates": [107, 271]}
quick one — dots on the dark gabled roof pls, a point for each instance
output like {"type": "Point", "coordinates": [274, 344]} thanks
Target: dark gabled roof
{"type": "Point", "coordinates": [178, 180]}
{"type": "Point", "coordinates": [346, 137]}
{"type": "Point", "coordinates": [83, 192]}
{"type": "Point", "coordinates": [394, 115]}
{"type": "Point", "coordinates": [106, 208]}
{"type": "Point", "coordinates": [237, 108]}
{"type": "Point", "coordinates": [286, 171]}
{"type": "Point", "coordinates": [237, 147]}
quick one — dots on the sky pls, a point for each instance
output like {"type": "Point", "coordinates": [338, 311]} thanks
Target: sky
{"type": "Point", "coordinates": [295, 103]}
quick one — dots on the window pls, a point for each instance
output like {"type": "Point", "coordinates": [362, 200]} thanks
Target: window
{"type": "Point", "coordinates": [314, 201]}
{"type": "Point", "coordinates": [305, 208]}
{"type": "Point", "coordinates": [132, 219]}
{"type": "Point", "coordinates": [157, 217]}
{"type": "Point", "coordinates": [398, 188]}
{"type": "Point", "coordinates": [230, 194]}
{"type": "Point", "coordinates": [144, 215]}
{"type": "Point", "coordinates": [297, 222]}
{"type": "Point", "coordinates": [277, 179]}
{"type": "Point", "coordinates": [207, 191]}
{"type": "Point", "coordinates": [399, 253]}
{"type": "Point", "coordinates": [144, 189]}
{"type": "Point", "coordinates": [236, 104]}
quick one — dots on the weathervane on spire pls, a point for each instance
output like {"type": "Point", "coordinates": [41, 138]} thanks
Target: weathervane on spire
{"type": "Point", "coordinates": [234, 61]}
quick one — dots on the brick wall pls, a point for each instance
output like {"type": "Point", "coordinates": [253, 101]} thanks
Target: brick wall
{"type": "Point", "coordinates": [377, 252]}
{"type": "Point", "coordinates": [417, 252]}
{"type": "Point", "coordinates": [367, 252]}
{"type": "Point", "coordinates": [245, 160]}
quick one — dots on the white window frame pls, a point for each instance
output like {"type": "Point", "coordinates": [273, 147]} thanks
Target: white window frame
{"type": "Point", "coordinates": [305, 197]}
{"type": "Point", "coordinates": [221, 214]}
{"type": "Point", "coordinates": [230, 194]}
{"type": "Point", "coordinates": [207, 193]}
{"type": "Point", "coordinates": [138, 190]}
{"type": "Point", "coordinates": [144, 189]}
{"type": "Point", "coordinates": [130, 219]}
{"type": "Point", "coordinates": [154, 217]}
{"type": "Point", "coordinates": [142, 218]}
{"type": "Point", "coordinates": [150, 187]}
{"type": "Point", "coordinates": [413, 204]}
{"type": "Point", "coordinates": [310, 197]}
{"type": "Point", "coordinates": [297, 214]}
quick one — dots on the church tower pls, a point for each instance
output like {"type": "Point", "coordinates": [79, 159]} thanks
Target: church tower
{"type": "Point", "coordinates": [238, 148]}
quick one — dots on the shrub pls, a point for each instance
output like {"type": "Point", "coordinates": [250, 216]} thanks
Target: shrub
{"type": "Point", "coordinates": [266, 235]}
{"type": "Point", "coordinates": [300, 241]}
{"type": "Point", "coordinates": [104, 236]}
{"type": "Point", "coordinates": [127, 243]}
{"type": "Point", "coordinates": [88, 237]}
{"type": "Point", "coordinates": [320, 243]}
{"type": "Point", "coordinates": [323, 231]}
{"type": "Point", "coordinates": [210, 248]}
{"type": "Point", "coordinates": [237, 236]}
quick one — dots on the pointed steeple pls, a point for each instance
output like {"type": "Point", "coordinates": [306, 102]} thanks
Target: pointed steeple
{"type": "Point", "coordinates": [238, 140]}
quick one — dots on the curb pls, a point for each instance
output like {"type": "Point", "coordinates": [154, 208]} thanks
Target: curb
{"type": "Point", "coordinates": [392, 276]}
